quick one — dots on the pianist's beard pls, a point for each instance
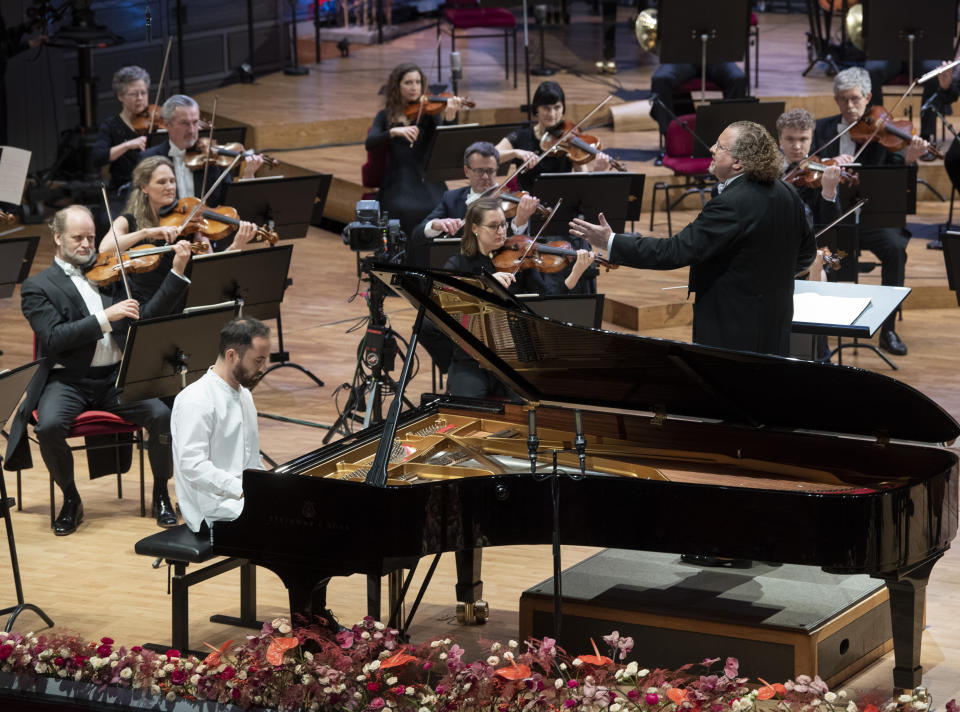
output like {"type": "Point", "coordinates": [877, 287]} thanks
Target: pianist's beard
{"type": "Point", "coordinates": [247, 378]}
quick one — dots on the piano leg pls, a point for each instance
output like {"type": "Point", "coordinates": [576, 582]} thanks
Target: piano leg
{"type": "Point", "coordinates": [471, 609]}
{"type": "Point", "coordinates": [308, 597]}
{"type": "Point", "coordinates": [907, 600]}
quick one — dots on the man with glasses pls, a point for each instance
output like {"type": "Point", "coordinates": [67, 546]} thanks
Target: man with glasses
{"type": "Point", "coordinates": [744, 248]}
{"type": "Point", "coordinates": [80, 333]}
{"type": "Point", "coordinates": [851, 91]}
{"type": "Point", "coordinates": [480, 163]}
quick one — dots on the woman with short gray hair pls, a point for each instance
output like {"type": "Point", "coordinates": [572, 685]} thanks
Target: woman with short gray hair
{"type": "Point", "coordinates": [117, 143]}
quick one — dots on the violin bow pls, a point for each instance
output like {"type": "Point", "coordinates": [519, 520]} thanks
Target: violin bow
{"type": "Point", "coordinates": [203, 200]}
{"type": "Point", "coordinates": [425, 91]}
{"type": "Point", "coordinates": [536, 237]}
{"type": "Point", "coordinates": [116, 242]}
{"type": "Point", "coordinates": [823, 230]}
{"type": "Point", "coordinates": [163, 74]}
{"type": "Point", "coordinates": [575, 127]}
{"type": "Point", "coordinates": [206, 157]}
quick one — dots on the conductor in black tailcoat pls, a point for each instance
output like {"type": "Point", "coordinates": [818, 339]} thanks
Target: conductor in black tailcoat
{"type": "Point", "coordinates": [182, 116]}
{"type": "Point", "coordinates": [744, 248]}
{"type": "Point", "coordinates": [80, 333]}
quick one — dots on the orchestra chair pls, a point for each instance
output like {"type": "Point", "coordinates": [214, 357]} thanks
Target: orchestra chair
{"type": "Point", "coordinates": [180, 547]}
{"type": "Point", "coordinates": [464, 16]}
{"type": "Point", "coordinates": [371, 172]}
{"type": "Point", "coordinates": [98, 424]}
{"type": "Point", "coordinates": [683, 104]}
{"type": "Point", "coordinates": [678, 157]}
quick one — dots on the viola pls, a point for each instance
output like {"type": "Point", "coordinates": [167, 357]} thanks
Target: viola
{"type": "Point", "coordinates": [580, 147]}
{"type": "Point", "coordinates": [136, 260]}
{"type": "Point", "coordinates": [219, 155]}
{"type": "Point", "coordinates": [518, 253]}
{"type": "Point", "coordinates": [432, 105]}
{"type": "Point", "coordinates": [893, 135]}
{"type": "Point", "coordinates": [215, 223]}
{"type": "Point", "coordinates": [809, 173]}
{"type": "Point", "coordinates": [509, 202]}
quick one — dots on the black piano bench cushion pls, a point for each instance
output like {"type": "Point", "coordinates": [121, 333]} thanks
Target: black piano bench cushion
{"type": "Point", "coordinates": [177, 544]}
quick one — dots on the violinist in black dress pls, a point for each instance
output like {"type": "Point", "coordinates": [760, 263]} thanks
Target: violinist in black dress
{"type": "Point", "coordinates": [118, 144]}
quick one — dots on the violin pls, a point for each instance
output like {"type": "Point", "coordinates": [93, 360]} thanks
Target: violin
{"type": "Point", "coordinates": [893, 135]}
{"type": "Point", "coordinates": [215, 223]}
{"type": "Point", "coordinates": [219, 155]}
{"type": "Point", "coordinates": [432, 105]}
{"type": "Point", "coordinates": [548, 258]}
{"type": "Point", "coordinates": [809, 173]}
{"type": "Point", "coordinates": [137, 260]}
{"type": "Point", "coordinates": [141, 122]}
{"type": "Point", "coordinates": [580, 147]}
{"type": "Point", "coordinates": [509, 202]}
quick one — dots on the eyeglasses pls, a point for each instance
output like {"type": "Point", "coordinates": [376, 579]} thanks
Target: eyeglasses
{"type": "Point", "coordinates": [135, 93]}
{"type": "Point", "coordinates": [720, 148]}
{"type": "Point", "coordinates": [496, 226]}
{"type": "Point", "coordinates": [489, 172]}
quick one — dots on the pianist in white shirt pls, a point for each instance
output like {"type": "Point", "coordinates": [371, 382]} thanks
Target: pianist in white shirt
{"type": "Point", "coordinates": [214, 427]}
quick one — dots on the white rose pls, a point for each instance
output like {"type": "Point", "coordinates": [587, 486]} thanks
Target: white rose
{"type": "Point", "coordinates": [442, 656]}
{"type": "Point", "coordinates": [563, 666]}
{"type": "Point", "coordinates": [615, 707]}
{"type": "Point", "coordinates": [577, 662]}
{"type": "Point", "coordinates": [168, 667]}
{"type": "Point", "coordinates": [446, 641]}
{"type": "Point", "coordinates": [852, 707]}
{"type": "Point", "coordinates": [842, 693]}
{"type": "Point", "coordinates": [284, 629]}
{"type": "Point", "coordinates": [435, 643]}
{"type": "Point", "coordinates": [496, 648]}
{"type": "Point", "coordinates": [392, 680]}
{"type": "Point", "coordinates": [408, 691]}
{"type": "Point", "coordinates": [493, 660]}
{"type": "Point", "coordinates": [357, 696]}
{"type": "Point", "coordinates": [515, 644]}
{"type": "Point", "coordinates": [126, 673]}
{"type": "Point", "coordinates": [558, 683]}
{"type": "Point", "coordinates": [374, 664]}
{"type": "Point", "coordinates": [643, 673]}
{"type": "Point", "coordinates": [735, 706]}
{"type": "Point", "coordinates": [154, 689]}
{"type": "Point", "coordinates": [194, 679]}
{"type": "Point", "coordinates": [365, 635]}
{"type": "Point", "coordinates": [919, 705]}
{"type": "Point", "coordinates": [830, 697]}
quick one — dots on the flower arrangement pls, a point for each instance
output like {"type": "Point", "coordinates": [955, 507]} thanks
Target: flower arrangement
{"type": "Point", "coordinates": [366, 669]}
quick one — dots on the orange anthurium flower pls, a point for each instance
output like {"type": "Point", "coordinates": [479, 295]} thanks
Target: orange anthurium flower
{"type": "Point", "coordinates": [397, 659]}
{"type": "Point", "coordinates": [597, 659]}
{"type": "Point", "coordinates": [213, 659]}
{"type": "Point", "coordinates": [768, 690]}
{"type": "Point", "coordinates": [871, 708]}
{"type": "Point", "coordinates": [278, 646]}
{"type": "Point", "coordinates": [513, 672]}
{"type": "Point", "coordinates": [676, 695]}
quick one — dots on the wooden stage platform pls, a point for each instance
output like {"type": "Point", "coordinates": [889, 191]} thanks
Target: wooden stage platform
{"type": "Point", "coordinates": [92, 582]}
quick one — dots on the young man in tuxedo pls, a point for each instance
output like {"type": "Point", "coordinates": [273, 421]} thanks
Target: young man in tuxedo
{"type": "Point", "coordinates": [80, 333]}
{"type": "Point", "coordinates": [744, 249]}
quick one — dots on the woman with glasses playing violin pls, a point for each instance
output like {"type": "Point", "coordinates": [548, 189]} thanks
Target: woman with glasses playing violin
{"type": "Point", "coordinates": [548, 104]}
{"type": "Point", "coordinates": [405, 193]}
{"type": "Point", "coordinates": [117, 143]}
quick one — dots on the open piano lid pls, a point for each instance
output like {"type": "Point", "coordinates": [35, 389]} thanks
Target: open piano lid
{"type": "Point", "coordinates": [554, 363]}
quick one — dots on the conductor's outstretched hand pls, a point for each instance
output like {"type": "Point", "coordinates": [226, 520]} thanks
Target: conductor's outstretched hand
{"type": "Point", "coordinates": [596, 235]}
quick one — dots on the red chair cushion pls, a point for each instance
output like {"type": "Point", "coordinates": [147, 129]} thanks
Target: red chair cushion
{"type": "Point", "coordinates": [678, 142]}
{"type": "Point", "coordinates": [687, 166]}
{"type": "Point", "coordinates": [753, 19]}
{"type": "Point", "coordinates": [693, 85]}
{"type": "Point", "coordinates": [480, 17]}
{"type": "Point", "coordinates": [97, 422]}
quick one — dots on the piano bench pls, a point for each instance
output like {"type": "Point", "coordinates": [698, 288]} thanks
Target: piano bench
{"type": "Point", "coordinates": [180, 547]}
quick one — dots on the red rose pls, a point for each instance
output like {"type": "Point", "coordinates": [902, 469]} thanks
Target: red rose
{"type": "Point", "coordinates": [6, 650]}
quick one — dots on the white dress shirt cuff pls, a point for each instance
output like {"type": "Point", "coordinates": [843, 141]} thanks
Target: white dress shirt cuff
{"type": "Point", "coordinates": [519, 229]}
{"type": "Point", "coordinates": [610, 243]}
{"type": "Point", "coordinates": [181, 276]}
{"type": "Point", "coordinates": [428, 230]}
{"type": "Point", "coordinates": [104, 322]}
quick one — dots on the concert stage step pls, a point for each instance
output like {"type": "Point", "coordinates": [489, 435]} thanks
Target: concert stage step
{"type": "Point", "coordinates": [778, 621]}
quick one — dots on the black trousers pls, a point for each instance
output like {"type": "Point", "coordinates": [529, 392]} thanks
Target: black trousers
{"type": "Point", "coordinates": [727, 75]}
{"type": "Point", "coordinates": [64, 397]}
{"type": "Point", "coordinates": [890, 246]}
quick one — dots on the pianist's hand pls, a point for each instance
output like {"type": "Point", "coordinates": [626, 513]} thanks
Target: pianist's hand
{"type": "Point", "coordinates": [596, 235]}
{"type": "Point", "coordinates": [505, 278]}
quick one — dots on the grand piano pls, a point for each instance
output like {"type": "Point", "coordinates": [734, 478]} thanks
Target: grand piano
{"type": "Point", "coordinates": [685, 449]}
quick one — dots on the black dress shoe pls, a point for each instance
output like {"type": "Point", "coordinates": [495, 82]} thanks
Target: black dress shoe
{"type": "Point", "coordinates": [890, 342]}
{"type": "Point", "coordinates": [71, 514]}
{"type": "Point", "coordinates": [163, 510]}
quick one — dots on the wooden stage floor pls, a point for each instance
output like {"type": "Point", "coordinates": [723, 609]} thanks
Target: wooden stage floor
{"type": "Point", "coordinates": [94, 584]}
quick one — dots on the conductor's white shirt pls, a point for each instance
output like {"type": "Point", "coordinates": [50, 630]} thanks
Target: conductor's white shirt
{"type": "Point", "coordinates": [214, 431]}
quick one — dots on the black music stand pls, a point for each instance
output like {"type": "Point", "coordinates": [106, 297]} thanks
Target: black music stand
{"type": "Point", "coordinates": [287, 205]}
{"type": "Point", "coordinates": [925, 32]}
{"type": "Point", "coordinates": [714, 117]}
{"type": "Point", "coordinates": [892, 193]}
{"type": "Point", "coordinates": [12, 386]}
{"type": "Point", "coordinates": [445, 152]}
{"type": "Point", "coordinates": [257, 279]}
{"type": "Point", "coordinates": [440, 250]}
{"type": "Point", "coordinates": [951, 259]}
{"type": "Point", "coordinates": [222, 135]}
{"type": "Point", "coordinates": [703, 32]}
{"type": "Point", "coordinates": [16, 258]}
{"type": "Point", "coordinates": [578, 309]}
{"type": "Point", "coordinates": [617, 195]}
{"type": "Point", "coordinates": [163, 355]}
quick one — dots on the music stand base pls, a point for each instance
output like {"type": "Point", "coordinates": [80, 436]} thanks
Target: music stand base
{"type": "Point", "coordinates": [297, 71]}
{"type": "Point", "coordinates": [543, 71]}
{"type": "Point", "coordinates": [855, 344]}
{"type": "Point", "coordinates": [291, 364]}
{"type": "Point", "coordinates": [15, 611]}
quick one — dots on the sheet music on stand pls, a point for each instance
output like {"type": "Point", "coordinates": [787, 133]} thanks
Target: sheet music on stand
{"type": "Point", "coordinates": [14, 164]}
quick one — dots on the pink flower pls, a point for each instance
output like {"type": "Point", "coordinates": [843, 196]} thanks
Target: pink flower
{"type": "Point", "coordinates": [568, 703]}
{"type": "Point", "coordinates": [572, 683]}
{"type": "Point", "coordinates": [731, 667]}
{"type": "Point", "coordinates": [652, 698]}
{"type": "Point", "coordinates": [227, 673]}
{"type": "Point", "coordinates": [345, 639]}
{"type": "Point", "coordinates": [135, 649]}
{"type": "Point", "coordinates": [104, 650]}
{"type": "Point", "coordinates": [427, 665]}
{"type": "Point", "coordinates": [372, 686]}
{"type": "Point", "coordinates": [178, 677]}
{"type": "Point", "coordinates": [106, 641]}
{"type": "Point", "coordinates": [398, 690]}
{"type": "Point", "coordinates": [634, 695]}
{"type": "Point", "coordinates": [377, 703]}
{"type": "Point", "coordinates": [173, 653]}
{"type": "Point", "coordinates": [6, 650]}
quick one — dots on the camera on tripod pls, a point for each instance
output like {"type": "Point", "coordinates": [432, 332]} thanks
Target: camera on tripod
{"type": "Point", "coordinates": [372, 231]}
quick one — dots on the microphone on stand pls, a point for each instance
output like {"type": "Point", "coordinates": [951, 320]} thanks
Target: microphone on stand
{"type": "Point", "coordinates": [456, 66]}
{"type": "Point", "coordinates": [929, 103]}
{"type": "Point", "coordinates": [148, 21]}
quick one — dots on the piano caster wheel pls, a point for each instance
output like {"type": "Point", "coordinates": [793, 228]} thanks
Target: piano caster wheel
{"type": "Point", "coordinates": [473, 613]}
